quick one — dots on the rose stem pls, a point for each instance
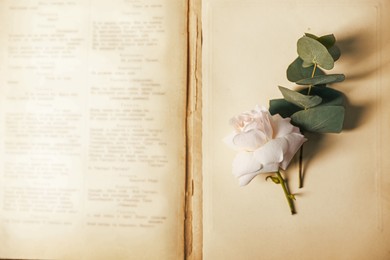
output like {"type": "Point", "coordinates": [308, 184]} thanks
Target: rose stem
{"type": "Point", "coordinates": [288, 195]}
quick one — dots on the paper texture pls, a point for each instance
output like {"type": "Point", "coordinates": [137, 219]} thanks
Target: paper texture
{"type": "Point", "coordinates": [343, 209]}
{"type": "Point", "coordinates": [193, 218]}
{"type": "Point", "coordinates": [92, 129]}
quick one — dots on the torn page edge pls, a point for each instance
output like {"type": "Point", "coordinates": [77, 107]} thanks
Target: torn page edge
{"type": "Point", "coordinates": [193, 200]}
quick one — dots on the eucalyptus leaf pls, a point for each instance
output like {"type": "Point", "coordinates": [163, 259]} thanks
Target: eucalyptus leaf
{"type": "Point", "coordinates": [315, 37]}
{"type": "Point", "coordinates": [327, 40]}
{"type": "Point", "coordinates": [322, 79]}
{"type": "Point", "coordinates": [330, 97]}
{"type": "Point", "coordinates": [335, 52]}
{"type": "Point", "coordinates": [299, 99]}
{"type": "Point", "coordinates": [296, 72]}
{"type": "Point", "coordinates": [321, 119]}
{"type": "Point", "coordinates": [306, 64]}
{"type": "Point", "coordinates": [282, 107]}
{"type": "Point", "coordinates": [313, 52]}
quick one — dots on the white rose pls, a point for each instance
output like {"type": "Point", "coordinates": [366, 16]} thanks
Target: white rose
{"type": "Point", "coordinates": [265, 143]}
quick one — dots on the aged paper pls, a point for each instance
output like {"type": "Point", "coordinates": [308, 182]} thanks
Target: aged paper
{"type": "Point", "coordinates": [92, 129]}
{"type": "Point", "coordinates": [193, 220]}
{"type": "Point", "coordinates": [344, 207]}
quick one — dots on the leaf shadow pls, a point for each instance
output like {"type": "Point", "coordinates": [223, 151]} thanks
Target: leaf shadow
{"type": "Point", "coordinates": [363, 57]}
{"type": "Point", "coordinates": [361, 54]}
{"type": "Point", "coordinates": [315, 142]}
{"type": "Point", "coordinates": [354, 115]}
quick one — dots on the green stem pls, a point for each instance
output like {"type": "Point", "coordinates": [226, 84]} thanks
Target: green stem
{"type": "Point", "coordinates": [301, 149]}
{"type": "Point", "coordinates": [301, 167]}
{"type": "Point", "coordinates": [312, 76]}
{"type": "Point", "coordinates": [288, 195]}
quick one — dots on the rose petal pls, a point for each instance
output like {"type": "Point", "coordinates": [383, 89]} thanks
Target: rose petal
{"type": "Point", "coordinates": [245, 163]}
{"type": "Point", "coordinates": [229, 140]}
{"type": "Point", "coordinates": [250, 140]}
{"type": "Point", "coordinates": [271, 152]}
{"type": "Point", "coordinates": [259, 108]}
{"type": "Point", "coordinates": [271, 167]}
{"type": "Point", "coordinates": [246, 178]}
{"type": "Point", "coordinates": [296, 130]}
{"type": "Point", "coordinates": [250, 126]}
{"type": "Point", "coordinates": [267, 125]}
{"type": "Point", "coordinates": [282, 126]}
{"type": "Point", "coordinates": [239, 122]}
{"type": "Point", "coordinates": [294, 143]}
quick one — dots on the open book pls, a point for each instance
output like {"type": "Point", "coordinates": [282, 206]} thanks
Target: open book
{"type": "Point", "coordinates": [112, 117]}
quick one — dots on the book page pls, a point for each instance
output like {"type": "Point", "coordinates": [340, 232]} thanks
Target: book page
{"type": "Point", "coordinates": [343, 210]}
{"type": "Point", "coordinates": [193, 220]}
{"type": "Point", "coordinates": [92, 129]}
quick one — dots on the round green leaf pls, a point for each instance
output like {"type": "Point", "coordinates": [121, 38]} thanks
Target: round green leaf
{"type": "Point", "coordinates": [282, 107]}
{"type": "Point", "coordinates": [307, 64]}
{"type": "Point", "coordinates": [330, 96]}
{"type": "Point", "coordinates": [299, 99]}
{"type": "Point", "coordinates": [313, 52]}
{"type": "Point", "coordinates": [296, 72]}
{"type": "Point", "coordinates": [321, 119]}
{"type": "Point", "coordinates": [322, 79]}
{"type": "Point", "coordinates": [327, 40]}
{"type": "Point", "coordinates": [335, 52]}
{"type": "Point", "coordinates": [315, 37]}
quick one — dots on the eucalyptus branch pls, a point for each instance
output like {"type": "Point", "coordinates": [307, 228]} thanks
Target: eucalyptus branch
{"type": "Point", "coordinates": [318, 109]}
{"type": "Point", "coordinates": [301, 167]}
{"type": "Point", "coordinates": [301, 149]}
{"type": "Point", "coordinates": [312, 76]}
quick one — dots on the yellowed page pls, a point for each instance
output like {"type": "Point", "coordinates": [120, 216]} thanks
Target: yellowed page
{"type": "Point", "coordinates": [194, 134]}
{"type": "Point", "coordinates": [344, 207]}
{"type": "Point", "coordinates": [193, 228]}
{"type": "Point", "coordinates": [92, 129]}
